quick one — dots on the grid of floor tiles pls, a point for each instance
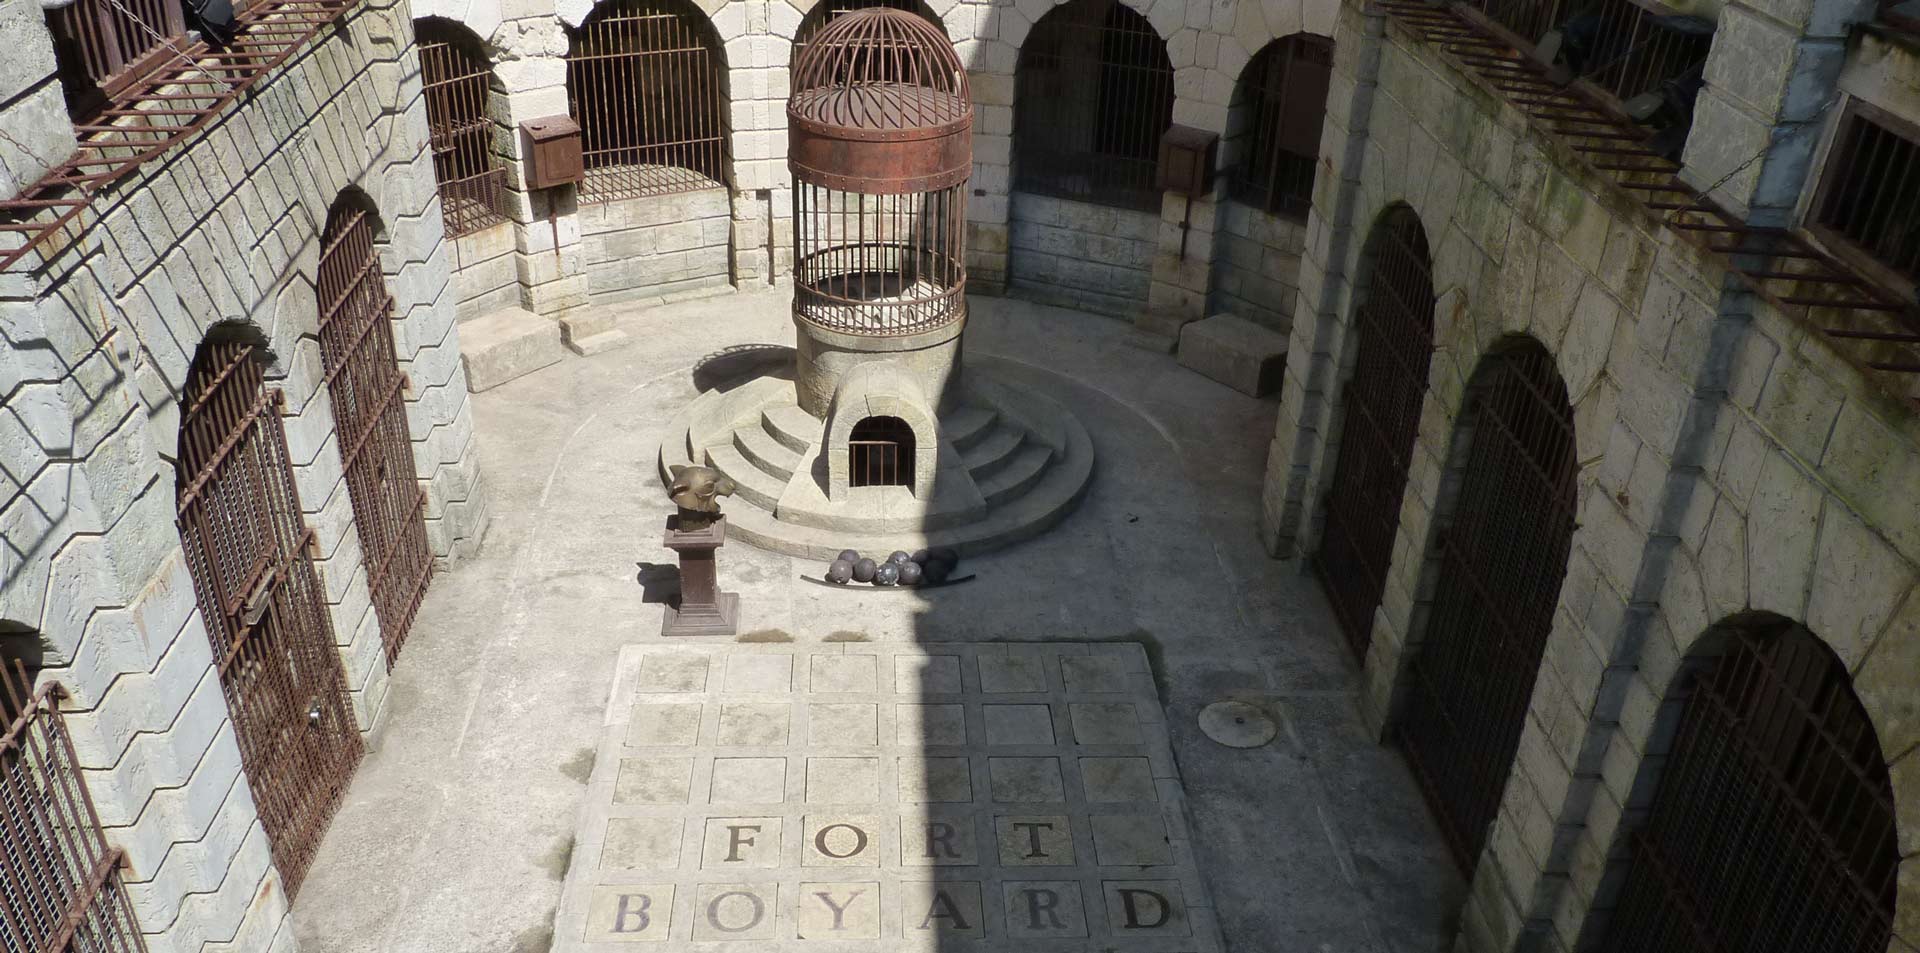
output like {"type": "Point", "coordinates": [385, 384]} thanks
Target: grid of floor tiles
{"type": "Point", "coordinates": [870, 797]}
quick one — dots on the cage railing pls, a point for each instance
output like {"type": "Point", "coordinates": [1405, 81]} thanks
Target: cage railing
{"type": "Point", "coordinates": [457, 84]}
{"type": "Point", "coordinates": [102, 45]}
{"type": "Point", "coordinates": [645, 83]}
{"type": "Point", "coordinates": [1623, 47]}
{"type": "Point", "coordinates": [60, 881]}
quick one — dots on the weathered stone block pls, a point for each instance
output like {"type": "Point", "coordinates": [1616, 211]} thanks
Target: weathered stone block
{"type": "Point", "coordinates": [507, 344]}
{"type": "Point", "coordinates": [1236, 352]}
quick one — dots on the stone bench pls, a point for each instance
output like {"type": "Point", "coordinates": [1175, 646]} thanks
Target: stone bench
{"type": "Point", "coordinates": [1236, 352]}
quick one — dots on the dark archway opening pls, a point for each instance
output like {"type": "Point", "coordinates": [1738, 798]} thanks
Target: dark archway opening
{"type": "Point", "coordinates": [881, 453]}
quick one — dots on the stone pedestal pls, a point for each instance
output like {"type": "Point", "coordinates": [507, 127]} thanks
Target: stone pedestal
{"type": "Point", "coordinates": [703, 608]}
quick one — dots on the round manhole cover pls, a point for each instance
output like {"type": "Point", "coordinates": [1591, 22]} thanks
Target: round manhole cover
{"type": "Point", "coordinates": [1237, 724]}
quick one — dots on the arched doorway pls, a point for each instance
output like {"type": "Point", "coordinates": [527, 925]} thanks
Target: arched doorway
{"type": "Point", "coordinates": [1772, 826]}
{"type": "Point", "coordinates": [457, 83]}
{"type": "Point", "coordinates": [246, 545]}
{"type": "Point", "coordinates": [1502, 548]}
{"type": "Point", "coordinates": [646, 80]}
{"type": "Point", "coordinates": [368, 393]}
{"type": "Point", "coordinates": [881, 453]}
{"type": "Point", "coordinates": [1381, 415]}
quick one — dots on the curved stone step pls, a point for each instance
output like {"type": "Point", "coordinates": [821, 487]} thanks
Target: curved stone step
{"type": "Point", "coordinates": [765, 451]}
{"type": "Point", "coordinates": [987, 456]}
{"type": "Point", "coordinates": [1017, 476]}
{"type": "Point", "coordinates": [794, 428]}
{"type": "Point", "coordinates": [966, 426]}
{"type": "Point", "coordinates": [757, 486]}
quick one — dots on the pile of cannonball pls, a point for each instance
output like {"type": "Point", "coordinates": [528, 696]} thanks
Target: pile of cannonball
{"type": "Point", "coordinates": [900, 568]}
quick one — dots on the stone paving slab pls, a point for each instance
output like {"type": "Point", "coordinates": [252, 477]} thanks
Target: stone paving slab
{"type": "Point", "coordinates": [864, 797]}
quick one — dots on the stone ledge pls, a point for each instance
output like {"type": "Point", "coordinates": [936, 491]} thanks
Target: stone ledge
{"type": "Point", "coordinates": [507, 344]}
{"type": "Point", "coordinates": [1236, 352]}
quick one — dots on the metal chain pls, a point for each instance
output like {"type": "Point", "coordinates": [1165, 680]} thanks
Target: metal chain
{"type": "Point", "coordinates": [178, 53]}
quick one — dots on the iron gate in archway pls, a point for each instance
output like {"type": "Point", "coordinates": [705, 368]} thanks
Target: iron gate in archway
{"type": "Point", "coordinates": [1394, 323]}
{"type": "Point", "coordinates": [376, 448]}
{"type": "Point", "coordinates": [1503, 553]}
{"type": "Point", "coordinates": [246, 545]}
{"type": "Point", "coordinates": [1774, 761]}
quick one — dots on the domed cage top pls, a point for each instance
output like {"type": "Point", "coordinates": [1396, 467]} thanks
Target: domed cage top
{"type": "Point", "coordinates": [879, 127]}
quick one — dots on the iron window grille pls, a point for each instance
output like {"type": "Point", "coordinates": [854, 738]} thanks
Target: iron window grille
{"type": "Point", "coordinates": [1775, 762]}
{"type": "Point", "coordinates": [1870, 197]}
{"type": "Point", "coordinates": [646, 83]}
{"type": "Point", "coordinates": [60, 881]}
{"type": "Point", "coordinates": [458, 82]}
{"type": "Point", "coordinates": [1094, 89]}
{"type": "Point", "coordinates": [880, 453]}
{"type": "Point", "coordinates": [1282, 98]}
{"type": "Point", "coordinates": [102, 46]}
{"type": "Point", "coordinates": [1623, 47]}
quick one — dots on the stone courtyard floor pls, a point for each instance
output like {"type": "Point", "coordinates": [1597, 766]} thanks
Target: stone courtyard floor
{"type": "Point", "coordinates": [549, 766]}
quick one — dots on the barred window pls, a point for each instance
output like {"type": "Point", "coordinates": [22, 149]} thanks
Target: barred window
{"type": "Point", "coordinates": [1277, 111]}
{"type": "Point", "coordinates": [1871, 196]}
{"type": "Point", "coordinates": [60, 889]}
{"type": "Point", "coordinates": [1094, 93]}
{"type": "Point", "coordinates": [102, 46]}
{"type": "Point", "coordinates": [646, 82]}
{"type": "Point", "coordinates": [1626, 47]}
{"type": "Point", "coordinates": [458, 82]}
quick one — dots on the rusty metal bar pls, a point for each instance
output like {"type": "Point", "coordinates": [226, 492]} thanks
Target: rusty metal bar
{"type": "Point", "coordinates": [645, 80]}
{"type": "Point", "coordinates": [457, 82]}
{"type": "Point", "coordinates": [60, 881]}
{"type": "Point", "coordinates": [1394, 324]}
{"type": "Point", "coordinates": [148, 81]}
{"type": "Point", "coordinates": [1094, 90]}
{"type": "Point", "coordinates": [1502, 552]}
{"type": "Point", "coordinates": [246, 542]}
{"type": "Point", "coordinates": [1774, 760]}
{"type": "Point", "coordinates": [881, 452]}
{"type": "Point", "coordinates": [366, 387]}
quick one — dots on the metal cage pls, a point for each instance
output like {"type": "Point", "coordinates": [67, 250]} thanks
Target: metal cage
{"type": "Point", "coordinates": [1093, 90]}
{"type": "Point", "coordinates": [102, 46]}
{"type": "Point", "coordinates": [1870, 198]}
{"type": "Point", "coordinates": [879, 125]}
{"type": "Point", "coordinates": [1775, 762]}
{"type": "Point", "coordinates": [827, 11]}
{"type": "Point", "coordinates": [1381, 415]}
{"type": "Point", "coordinates": [646, 81]}
{"type": "Point", "coordinates": [457, 82]}
{"type": "Point", "coordinates": [1281, 100]}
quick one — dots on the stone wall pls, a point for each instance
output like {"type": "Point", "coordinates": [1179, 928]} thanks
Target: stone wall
{"type": "Point", "coordinates": [485, 271]}
{"type": "Point", "coordinates": [1256, 267]}
{"type": "Point", "coordinates": [658, 245]}
{"type": "Point", "coordinates": [1730, 461]}
{"type": "Point", "coordinates": [100, 327]}
{"type": "Point", "coordinates": [1075, 254]}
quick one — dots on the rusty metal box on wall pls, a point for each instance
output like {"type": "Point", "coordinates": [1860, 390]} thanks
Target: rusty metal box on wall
{"type": "Point", "coordinates": [552, 151]}
{"type": "Point", "coordinates": [1186, 161]}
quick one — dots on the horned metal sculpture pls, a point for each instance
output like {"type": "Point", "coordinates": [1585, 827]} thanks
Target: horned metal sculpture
{"type": "Point", "coordinates": [694, 532]}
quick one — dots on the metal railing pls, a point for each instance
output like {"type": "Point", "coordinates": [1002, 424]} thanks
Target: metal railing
{"type": "Point", "coordinates": [880, 453]}
{"type": "Point", "coordinates": [1774, 762]}
{"type": "Point", "coordinates": [827, 11]}
{"type": "Point", "coordinates": [164, 104]}
{"type": "Point", "coordinates": [646, 83]}
{"type": "Point", "coordinates": [1871, 195]}
{"type": "Point", "coordinates": [102, 45]}
{"type": "Point", "coordinates": [60, 886]}
{"type": "Point", "coordinates": [1624, 47]}
{"type": "Point", "coordinates": [1284, 92]}
{"type": "Point", "coordinates": [879, 264]}
{"type": "Point", "coordinates": [1094, 93]}
{"type": "Point", "coordinates": [457, 82]}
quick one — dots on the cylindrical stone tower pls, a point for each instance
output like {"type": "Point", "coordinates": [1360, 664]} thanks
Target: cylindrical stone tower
{"type": "Point", "coordinates": [879, 143]}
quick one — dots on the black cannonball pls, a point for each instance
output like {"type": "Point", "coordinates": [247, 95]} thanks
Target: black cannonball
{"type": "Point", "coordinates": [935, 573]}
{"type": "Point", "coordinates": [849, 556]}
{"type": "Point", "coordinates": [898, 557]}
{"type": "Point", "coordinates": [863, 570]}
{"type": "Point", "coordinates": [944, 554]}
{"type": "Point", "coordinates": [839, 572]}
{"type": "Point", "coordinates": [886, 574]}
{"type": "Point", "coordinates": [911, 574]}
{"type": "Point", "coordinates": [919, 556]}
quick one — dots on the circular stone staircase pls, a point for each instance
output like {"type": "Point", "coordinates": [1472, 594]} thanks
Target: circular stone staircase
{"type": "Point", "coordinates": [1011, 463]}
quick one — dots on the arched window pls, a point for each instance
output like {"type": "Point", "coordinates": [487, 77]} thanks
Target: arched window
{"type": "Point", "coordinates": [367, 391]}
{"type": "Point", "coordinates": [1772, 826]}
{"type": "Point", "coordinates": [247, 548]}
{"type": "Point", "coordinates": [1094, 93]}
{"type": "Point", "coordinates": [646, 81]}
{"type": "Point", "coordinates": [1274, 125]}
{"type": "Point", "coordinates": [1501, 544]}
{"type": "Point", "coordinates": [826, 11]}
{"type": "Point", "coordinates": [1394, 326]}
{"type": "Point", "coordinates": [457, 81]}
{"type": "Point", "coordinates": [880, 453]}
